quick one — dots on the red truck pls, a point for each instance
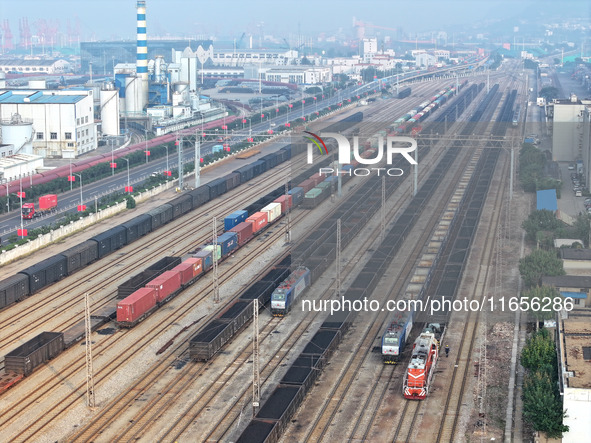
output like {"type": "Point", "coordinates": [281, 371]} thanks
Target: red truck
{"type": "Point", "coordinates": [47, 203]}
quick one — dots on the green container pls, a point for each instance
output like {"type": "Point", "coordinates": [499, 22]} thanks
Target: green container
{"type": "Point", "coordinates": [313, 193]}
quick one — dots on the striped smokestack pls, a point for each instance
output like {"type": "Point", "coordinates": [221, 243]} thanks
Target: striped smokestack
{"type": "Point", "coordinates": [142, 54]}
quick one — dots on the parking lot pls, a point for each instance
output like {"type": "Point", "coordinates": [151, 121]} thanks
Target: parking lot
{"type": "Point", "coordinates": [568, 203]}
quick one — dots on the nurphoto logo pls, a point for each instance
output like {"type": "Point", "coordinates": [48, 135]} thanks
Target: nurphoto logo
{"type": "Point", "coordinates": [394, 145]}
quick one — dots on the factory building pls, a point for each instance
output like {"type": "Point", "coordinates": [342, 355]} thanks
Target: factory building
{"type": "Point", "coordinates": [567, 136]}
{"type": "Point", "coordinates": [308, 75]}
{"type": "Point", "coordinates": [50, 123]}
{"type": "Point", "coordinates": [105, 55]}
{"type": "Point", "coordinates": [241, 57]}
{"type": "Point", "coordinates": [25, 66]}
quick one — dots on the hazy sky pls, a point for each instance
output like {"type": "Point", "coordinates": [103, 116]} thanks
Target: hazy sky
{"type": "Point", "coordinates": [107, 19]}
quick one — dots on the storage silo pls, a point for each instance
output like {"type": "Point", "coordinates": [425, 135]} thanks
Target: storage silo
{"type": "Point", "coordinates": [19, 133]}
{"type": "Point", "coordinates": [109, 109]}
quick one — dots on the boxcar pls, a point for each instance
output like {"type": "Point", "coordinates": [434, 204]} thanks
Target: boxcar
{"type": "Point", "coordinates": [217, 187]}
{"type": "Point", "coordinates": [77, 257]}
{"type": "Point", "coordinates": [14, 288]}
{"type": "Point", "coordinates": [137, 227]}
{"type": "Point", "coordinates": [110, 240]}
{"type": "Point", "coordinates": [160, 215]}
{"type": "Point", "coordinates": [246, 173]}
{"type": "Point", "coordinates": [200, 196]}
{"type": "Point", "coordinates": [232, 180]}
{"type": "Point", "coordinates": [46, 272]}
{"type": "Point", "coordinates": [181, 205]}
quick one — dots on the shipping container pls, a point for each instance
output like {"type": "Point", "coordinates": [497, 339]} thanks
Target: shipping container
{"type": "Point", "coordinates": [273, 211]}
{"type": "Point", "coordinates": [110, 240]}
{"type": "Point", "coordinates": [161, 215]}
{"type": "Point", "coordinates": [137, 227]}
{"type": "Point", "coordinates": [258, 220]}
{"type": "Point", "coordinates": [35, 352]}
{"type": "Point", "coordinates": [297, 196]}
{"type": "Point", "coordinates": [46, 272]}
{"type": "Point", "coordinates": [165, 285]}
{"type": "Point", "coordinates": [47, 202]}
{"type": "Point", "coordinates": [317, 178]}
{"type": "Point", "coordinates": [188, 270]}
{"type": "Point", "coordinates": [244, 232]}
{"type": "Point", "coordinates": [181, 205]}
{"type": "Point", "coordinates": [216, 187]}
{"type": "Point", "coordinates": [13, 288]}
{"type": "Point", "coordinates": [206, 258]}
{"type": "Point", "coordinates": [77, 257]}
{"type": "Point", "coordinates": [285, 202]}
{"type": "Point", "coordinates": [315, 196]}
{"type": "Point", "coordinates": [132, 309]}
{"type": "Point", "coordinates": [218, 251]}
{"type": "Point", "coordinates": [307, 185]}
{"type": "Point", "coordinates": [200, 196]}
{"type": "Point", "coordinates": [228, 241]}
{"type": "Point", "coordinates": [150, 273]}
{"type": "Point", "coordinates": [234, 218]}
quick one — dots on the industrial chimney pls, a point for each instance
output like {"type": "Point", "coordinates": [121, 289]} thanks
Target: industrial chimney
{"type": "Point", "coordinates": [142, 55]}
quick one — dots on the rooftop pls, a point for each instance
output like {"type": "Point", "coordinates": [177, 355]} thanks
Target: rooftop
{"type": "Point", "coordinates": [568, 281]}
{"type": "Point", "coordinates": [575, 254]}
{"type": "Point", "coordinates": [38, 97]}
{"type": "Point", "coordinates": [577, 335]}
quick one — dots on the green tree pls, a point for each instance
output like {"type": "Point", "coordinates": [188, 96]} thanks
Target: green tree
{"type": "Point", "coordinates": [538, 264]}
{"type": "Point", "coordinates": [538, 298]}
{"type": "Point", "coordinates": [541, 220]}
{"type": "Point", "coordinates": [549, 93]}
{"type": "Point", "coordinates": [130, 202]}
{"type": "Point", "coordinates": [541, 406]}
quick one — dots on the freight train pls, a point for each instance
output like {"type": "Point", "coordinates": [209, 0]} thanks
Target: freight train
{"type": "Point", "coordinates": [36, 277]}
{"type": "Point", "coordinates": [289, 290]}
{"type": "Point", "coordinates": [405, 123]}
{"type": "Point", "coordinates": [425, 352]}
{"type": "Point", "coordinates": [395, 337]}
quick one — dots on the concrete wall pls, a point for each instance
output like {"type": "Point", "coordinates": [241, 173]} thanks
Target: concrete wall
{"type": "Point", "coordinates": [577, 267]}
{"type": "Point", "coordinates": [44, 240]}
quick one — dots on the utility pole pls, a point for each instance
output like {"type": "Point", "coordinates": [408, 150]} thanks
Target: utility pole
{"type": "Point", "coordinates": [197, 159]}
{"type": "Point", "coordinates": [89, 379]}
{"type": "Point", "coordinates": [256, 370]}
{"type": "Point", "coordinates": [338, 260]}
{"type": "Point", "coordinates": [416, 175]}
{"type": "Point", "coordinates": [180, 161]}
{"type": "Point", "coordinates": [383, 218]}
{"type": "Point", "coordinates": [288, 215]}
{"type": "Point", "coordinates": [216, 288]}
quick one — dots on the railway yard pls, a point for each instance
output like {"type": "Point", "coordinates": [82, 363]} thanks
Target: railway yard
{"type": "Point", "coordinates": [321, 374]}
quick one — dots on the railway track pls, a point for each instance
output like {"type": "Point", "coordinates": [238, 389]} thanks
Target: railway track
{"type": "Point", "coordinates": [143, 416]}
{"type": "Point", "coordinates": [341, 390]}
{"type": "Point", "coordinates": [446, 418]}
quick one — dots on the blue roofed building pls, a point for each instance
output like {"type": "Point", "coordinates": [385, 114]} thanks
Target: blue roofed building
{"type": "Point", "coordinates": [63, 123]}
{"type": "Point", "coordinates": [546, 199]}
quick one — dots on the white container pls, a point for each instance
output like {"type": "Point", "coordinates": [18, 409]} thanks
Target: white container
{"type": "Point", "coordinates": [273, 211]}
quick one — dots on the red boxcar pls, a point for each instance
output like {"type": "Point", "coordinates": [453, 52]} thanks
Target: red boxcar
{"type": "Point", "coordinates": [284, 201]}
{"type": "Point", "coordinates": [165, 284]}
{"type": "Point", "coordinates": [244, 232]}
{"type": "Point", "coordinates": [188, 270]}
{"type": "Point", "coordinates": [131, 308]}
{"type": "Point", "coordinates": [258, 220]}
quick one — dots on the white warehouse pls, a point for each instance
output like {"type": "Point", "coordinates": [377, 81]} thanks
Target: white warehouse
{"type": "Point", "coordinates": [63, 120]}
